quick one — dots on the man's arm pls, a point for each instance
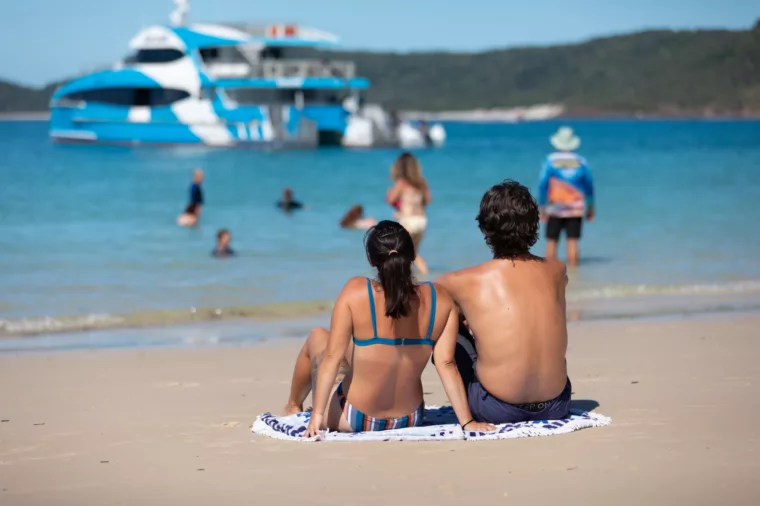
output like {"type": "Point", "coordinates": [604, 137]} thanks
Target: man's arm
{"type": "Point", "coordinates": [445, 364]}
{"type": "Point", "coordinates": [543, 188]}
{"type": "Point", "coordinates": [393, 194]}
{"type": "Point", "coordinates": [588, 190]}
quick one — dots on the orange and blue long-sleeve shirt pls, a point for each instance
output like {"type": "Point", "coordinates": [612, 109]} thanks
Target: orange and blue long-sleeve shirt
{"type": "Point", "coordinates": [566, 188]}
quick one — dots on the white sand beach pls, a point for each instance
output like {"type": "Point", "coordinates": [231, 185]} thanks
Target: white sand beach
{"type": "Point", "coordinates": [171, 426]}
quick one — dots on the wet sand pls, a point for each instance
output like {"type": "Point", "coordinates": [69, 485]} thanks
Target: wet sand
{"type": "Point", "coordinates": [171, 426]}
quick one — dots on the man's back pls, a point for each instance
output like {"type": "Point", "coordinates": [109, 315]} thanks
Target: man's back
{"type": "Point", "coordinates": [516, 311]}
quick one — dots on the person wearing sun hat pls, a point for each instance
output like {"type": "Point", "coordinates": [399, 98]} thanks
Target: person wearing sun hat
{"type": "Point", "coordinates": [565, 194]}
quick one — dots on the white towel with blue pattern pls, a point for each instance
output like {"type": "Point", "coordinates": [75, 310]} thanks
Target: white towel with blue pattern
{"type": "Point", "coordinates": [440, 425]}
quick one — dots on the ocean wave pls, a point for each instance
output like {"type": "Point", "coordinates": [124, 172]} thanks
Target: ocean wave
{"type": "Point", "coordinates": [29, 326]}
{"type": "Point", "coordinates": [623, 291]}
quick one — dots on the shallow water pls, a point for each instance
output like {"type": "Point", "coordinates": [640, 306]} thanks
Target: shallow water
{"type": "Point", "coordinates": [89, 230]}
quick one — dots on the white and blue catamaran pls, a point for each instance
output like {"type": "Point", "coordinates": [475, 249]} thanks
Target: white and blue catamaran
{"type": "Point", "coordinates": [229, 85]}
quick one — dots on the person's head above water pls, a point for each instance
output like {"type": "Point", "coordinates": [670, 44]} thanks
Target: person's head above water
{"type": "Point", "coordinates": [407, 167]}
{"type": "Point", "coordinates": [223, 238]}
{"type": "Point", "coordinates": [198, 176]}
{"type": "Point", "coordinates": [509, 220]}
{"type": "Point", "coordinates": [391, 251]}
{"type": "Point", "coordinates": [287, 195]}
{"type": "Point", "coordinates": [353, 214]}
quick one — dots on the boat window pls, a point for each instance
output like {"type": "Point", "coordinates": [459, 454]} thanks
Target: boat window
{"type": "Point", "coordinates": [322, 97]}
{"type": "Point", "coordinates": [258, 96]}
{"type": "Point", "coordinates": [141, 97]}
{"type": "Point", "coordinates": [225, 54]}
{"type": "Point", "coordinates": [166, 96]}
{"type": "Point", "coordinates": [264, 96]}
{"type": "Point", "coordinates": [271, 53]}
{"type": "Point", "coordinates": [127, 97]}
{"type": "Point", "coordinates": [209, 54]}
{"type": "Point", "coordinates": [155, 56]}
{"type": "Point", "coordinates": [112, 96]}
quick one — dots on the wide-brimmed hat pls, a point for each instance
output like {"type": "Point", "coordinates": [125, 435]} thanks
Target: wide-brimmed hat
{"type": "Point", "coordinates": [565, 139]}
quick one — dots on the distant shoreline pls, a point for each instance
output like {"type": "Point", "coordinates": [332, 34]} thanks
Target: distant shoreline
{"type": "Point", "coordinates": [25, 116]}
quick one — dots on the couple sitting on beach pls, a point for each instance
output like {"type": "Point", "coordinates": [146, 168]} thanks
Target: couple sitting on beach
{"type": "Point", "coordinates": [502, 361]}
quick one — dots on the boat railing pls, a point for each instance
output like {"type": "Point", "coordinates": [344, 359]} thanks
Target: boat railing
{"type": "Point", "coordinates": [274, 69]}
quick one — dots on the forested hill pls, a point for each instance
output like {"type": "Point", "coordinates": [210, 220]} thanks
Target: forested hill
{"type": "Point", "coordinates": [656, 72]}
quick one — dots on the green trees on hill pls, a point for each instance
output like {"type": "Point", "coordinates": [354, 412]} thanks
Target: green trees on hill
{"type": "Point", "coordinates": [662, 72]}
{"type": "Point", "coordinates": [655, 71]}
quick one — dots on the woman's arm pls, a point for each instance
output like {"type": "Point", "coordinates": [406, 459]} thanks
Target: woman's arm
{"type": "Point", "coordinates": [341, 327]}
{"type": "Point", "coordinates": [393, 194]}
{"type": "Point", "coordinates": [428, 195]}
{"type": "Point", "coordinates": [443, 353]}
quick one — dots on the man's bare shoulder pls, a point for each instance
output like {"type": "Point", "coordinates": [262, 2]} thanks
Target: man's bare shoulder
{"type": "Point", "coordinates": [463, 275]}
{"type": "Point", "coordinates": [556, 266]}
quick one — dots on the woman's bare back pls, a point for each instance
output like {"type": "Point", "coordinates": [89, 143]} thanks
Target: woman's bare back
{"type": "Point", "coordinates": [385, 381]}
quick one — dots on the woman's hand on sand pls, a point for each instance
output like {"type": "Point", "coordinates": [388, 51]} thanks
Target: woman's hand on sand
{"type": "Point", "coordinates": [479, 427]}
{"type": "Point", "coordinates": [314, 428]}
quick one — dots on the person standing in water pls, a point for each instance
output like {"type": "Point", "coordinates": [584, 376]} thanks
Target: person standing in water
{"type": "Point", "coordinates": [196, 192]}
{"type": "Point", "coordinates": [565, 194]}
{"type": "Point", "coordinates": [411, 195]}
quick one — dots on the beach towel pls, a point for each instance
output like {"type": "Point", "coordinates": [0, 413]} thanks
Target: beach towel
{"type": "Point", "coordinates": [440, 425]}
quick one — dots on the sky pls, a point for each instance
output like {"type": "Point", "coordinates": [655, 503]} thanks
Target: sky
{"type": "Point", "coordinates": [46, 40]}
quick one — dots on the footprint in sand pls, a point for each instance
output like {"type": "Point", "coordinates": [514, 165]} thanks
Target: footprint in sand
{"type": "Point", "coordinates": [181, 384]}
{"type": "Point", "coordinates": [226, 425]}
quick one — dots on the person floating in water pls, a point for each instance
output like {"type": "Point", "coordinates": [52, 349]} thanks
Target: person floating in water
{"type": "Point", "coordinates": [223, 239]}
{"type": "Point", "coordinates": [288, 204]}
{"type": "Point", "coordinates": [565, 194]}
{"type": "Point", "coordinates": [189, 218]}
{"type": "Point", "coordinates": [355, 219]}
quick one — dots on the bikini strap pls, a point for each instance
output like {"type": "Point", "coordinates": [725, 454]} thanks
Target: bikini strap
{"type": "Point", "coordinates": [372, 308]}
{"type": "Point", "coordinates": [432, 311]}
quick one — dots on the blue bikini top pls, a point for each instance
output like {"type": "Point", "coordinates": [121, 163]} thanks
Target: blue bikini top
{"type": "Point", "coordinates": [404, 341]}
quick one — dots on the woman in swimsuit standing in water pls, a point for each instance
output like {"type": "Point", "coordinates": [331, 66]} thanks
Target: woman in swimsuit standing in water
{"type": "Point", "coordinates": [410, 194]}
{"type": "Point", "coordinates": [383, 388]}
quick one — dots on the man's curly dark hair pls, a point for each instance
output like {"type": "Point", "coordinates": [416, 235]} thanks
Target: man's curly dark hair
{"type": "Point", "coordinates": [509, 220]}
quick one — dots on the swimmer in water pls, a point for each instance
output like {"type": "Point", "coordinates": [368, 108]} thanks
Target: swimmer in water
{"type": "Point", "coordinates": [189, 218]}
{"type": "Point", "coordinates": [288, 204]}
{"type": "Point", "coordinates": [223, 249]}
{"type": "Point", "coordinates": [355, 219]}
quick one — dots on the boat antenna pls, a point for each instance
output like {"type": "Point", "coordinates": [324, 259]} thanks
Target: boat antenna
{"type": "Point", "coordinates": [179, 14]}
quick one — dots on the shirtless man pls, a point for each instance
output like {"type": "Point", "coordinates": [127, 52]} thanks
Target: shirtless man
{"type": "Point", "coordinates": [514, 307]}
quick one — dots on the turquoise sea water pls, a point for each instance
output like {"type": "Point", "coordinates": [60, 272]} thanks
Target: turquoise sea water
{"type": "Point", "coordinates": [90, 230]}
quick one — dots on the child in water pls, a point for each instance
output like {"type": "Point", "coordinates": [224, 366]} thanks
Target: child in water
{"type": "Point", "coordinates": [223, 239]}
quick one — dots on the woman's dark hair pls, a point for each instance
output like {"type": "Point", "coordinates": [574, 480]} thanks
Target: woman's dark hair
{"type": "Point", "coordinates": [351, 216]}
{"type": "Point", "coordinates": [391, 251]}
{"type": "Point", "coordinates": [509, 220]}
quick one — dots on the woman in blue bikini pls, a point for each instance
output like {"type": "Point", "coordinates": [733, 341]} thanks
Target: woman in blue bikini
{"type": "Point", "coordinates": [382, 389]}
